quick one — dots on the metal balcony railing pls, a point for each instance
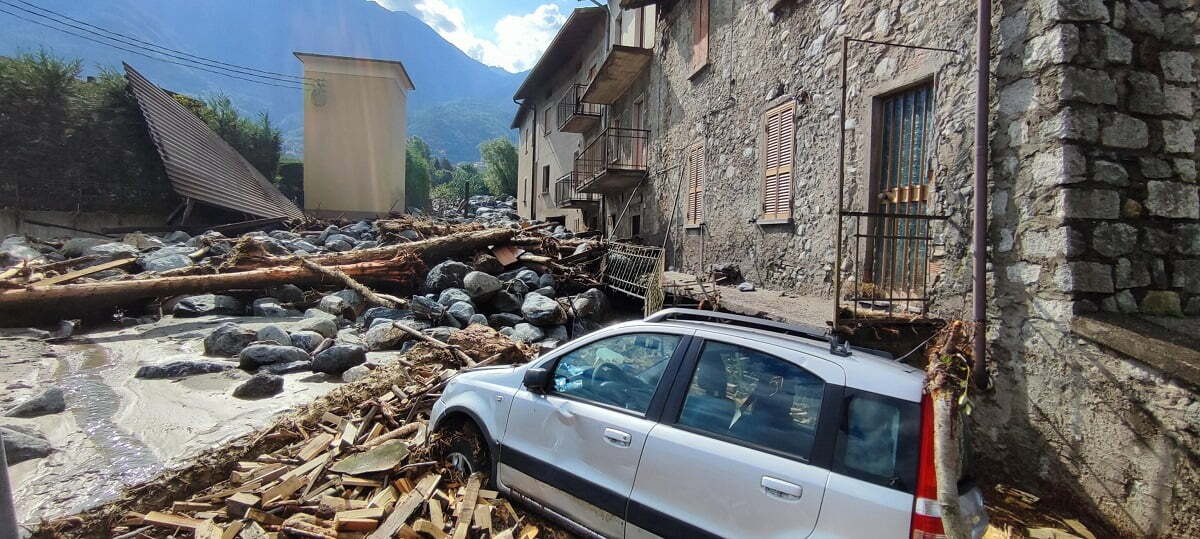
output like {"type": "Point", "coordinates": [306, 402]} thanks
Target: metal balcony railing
{"type": "Point", "coordinates": [572, 107]}
{"type": "Point", "coordinates": [616, 150]}
{"type": "Point", "coordinates": [567, 194]}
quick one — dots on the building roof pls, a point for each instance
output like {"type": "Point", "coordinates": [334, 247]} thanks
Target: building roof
{"type": "Point", "coordinates": [199, 163]}
{"type": "Point", "coordinates": [566, 43]}
{"type": "Point", "coordinates": [520, 117]}
{"type": "Point", "coordinates": [347, 65]}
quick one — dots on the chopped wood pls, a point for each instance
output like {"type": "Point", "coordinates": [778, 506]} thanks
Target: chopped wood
{"type": "Point", "coordinates": [233, 529]}
{"type": "Point", "coordinates": [483, 517]}
{"type": "Point", "coordinates": [209, 530]}
{"type": "Point", "coordinates": [171, 521]}
{"type": "Point", "coordinates": [351, 481]}
{"type": "Point", "coordinates": [240, 502]}
{"type": "Point", "coordinates": [406, 507]}
{"type": "Point", "coordinates": [435, 514]}
{"type": "Point", "coordinates": [263, 517]}
{"type": "Point", "coordinates": [314, 446]}
{"type": "Point", "coordinates": [528, 532]}
{"type": "Point", "coordinates": [393, 434]}
{"type": "Point", "coordinates": [466, 509]}
{"type": "Point", "coordinates": [284, 489]}
{"type": "Point", "coordinates": [189, 507]}
{"type": "Point", "coordinates": [369, 295]}
{"type": "Point", "coordinates": [71, 276]}
{"type": "Point", "coordinates": [356, 524]}
{"type": "Point", "coordinates": [427, 527]}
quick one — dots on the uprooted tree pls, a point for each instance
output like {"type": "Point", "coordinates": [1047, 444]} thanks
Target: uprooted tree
{"type": "Point", "coordinates": [948, 376]}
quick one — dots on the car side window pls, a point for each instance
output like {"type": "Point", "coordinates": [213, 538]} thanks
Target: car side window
{"type": "Point", "coordinates": [748, 396]}
{"type": "Point", "coordinates": [620, 371]}
{"type": "Point", "coordinates": [878, 439]}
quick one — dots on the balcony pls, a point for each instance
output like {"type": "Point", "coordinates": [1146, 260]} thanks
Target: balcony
{"type": "Point", "coordinates": [618, 72]}
{"type": "Point", "coordinates": [614, 162]}
{"type": "Point", "coordinates": [568, 195]}
{"type": "Point", "coordinates": [576, 115]}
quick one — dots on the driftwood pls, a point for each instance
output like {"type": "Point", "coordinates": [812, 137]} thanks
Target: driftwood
{"type": "Point", "coordinates": [458, 353]}
{"type": "Point", "coordinates": [432, 250]}
{"type": "Point", "coordinates": [369, 295]}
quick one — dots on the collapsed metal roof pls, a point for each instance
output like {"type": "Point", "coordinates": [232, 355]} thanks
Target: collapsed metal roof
{"type": "Point", "coordinates": [200, 164]}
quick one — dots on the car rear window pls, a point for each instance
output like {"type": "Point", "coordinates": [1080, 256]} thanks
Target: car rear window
{"type": "Point", "coordinates": [879, 440]}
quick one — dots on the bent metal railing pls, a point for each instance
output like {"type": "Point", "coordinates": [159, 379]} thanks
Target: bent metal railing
{"type": "Point", "coordinates": [566, 191]}
{"type": "Point", "coordinates": [616, 148]}
{"type": "Point", "coordinates": [635, 270]}
{"type": "Point", "coordinates": [572, 104]}
{"type": "Point", "coordinates": [891, 263]}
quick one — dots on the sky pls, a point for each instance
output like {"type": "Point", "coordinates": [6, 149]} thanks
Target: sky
{"type": "Point", "coordinates": [509, 34]}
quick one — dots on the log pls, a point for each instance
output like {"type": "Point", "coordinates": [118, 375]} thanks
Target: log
{"type": "Point", "coordinates": [432, 250]}
{"type": "Point", "coordinates": [369, 295]}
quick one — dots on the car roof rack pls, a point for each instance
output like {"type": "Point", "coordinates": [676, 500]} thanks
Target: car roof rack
{"type": "Point", "coordinates": [837, 345]}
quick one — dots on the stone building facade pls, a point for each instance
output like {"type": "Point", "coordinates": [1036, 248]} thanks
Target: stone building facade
{"type": "Point", "coordinates": [1094, 236]}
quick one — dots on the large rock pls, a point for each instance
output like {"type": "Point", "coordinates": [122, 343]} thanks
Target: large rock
{"type": "Point", "coordinates": [165, 263]}
{"type": "Point", "coordinates": [335, 305]}
{"type": "Point", "coordinates": [368, 318]}
{"type": "Point", "coordinates": [257, 355]}
{"type": "Point", "coordinates": [208, 304]}
{"type": "Point", "coordinates": [112, 250]}
{"type": "Point", "coordinates": [337, 359]}
{"type": "Point", "coordinates": [477, 318]}
{"type": "Point", "coordinates": [259, 386]}
{"type": "Point", "coordinates": [75, 247]}
{"type": "Point", "coordinates": [270, 308]}
{"type": "Point", "coordinates": [288, 368]}
{"type": "Point", "coordinates": [480, 285]}
{"type": "Point", "coordinates": [462, 312]}
{"type": "Point", "coordinates": [590, 304]}
{"type": "Point", "coordinates": [352, 298]}
{"type": "Point", "coordinates": [49, 402]}
{"type": "Point", "coordinates": [228, 340]}
{"type": "Point", "coordinates": [356, 373]}
{"type": "Point", "coordinates": [308, 340]}
{"type": "Point", "coordinates": [384, 337]}
{"type": "Point", "coordinates": [450, 296]}
{"type": "Point", "coordinates": [177, 236]}
{"type": "Point", "coordinates": [274, 333]}
{"type": "Point", "coordinates": [180, 369]}
{"type": "Point", "coordinates": [326, 325]}
{"type": "Point", "coordinates": [529, 277]}
{"type": "Point", "coordinates": [22, 446]}
{"type": "Point", "coordinates": [500, 320]}
{"type": "Point", "coordinates": [13, 253]}
{"type": "Point", "coordinates": [540, 310]}
{"type": "Point", "coordinates": [448, 274]}
{"type": "Point", "coordinates": [286, 293]}
{"type": "Point", "coordinates": [488, 264]}
{"type": "Point", "coordinates": [506, 302]}
{"type": "Point", "coordinates": [527, 333]}
{"type": "Point", "coordinates": [427, 309]}
{"type": "Point", "coordinates": [546, 291]}
{"type": "Point", "coordinates": [441, 333]}
{"type": "Point", "coordinates": [557, 333]}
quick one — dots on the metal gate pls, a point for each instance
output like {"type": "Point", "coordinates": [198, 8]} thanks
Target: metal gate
{"type": "Point", "coordinates": [635, 270]}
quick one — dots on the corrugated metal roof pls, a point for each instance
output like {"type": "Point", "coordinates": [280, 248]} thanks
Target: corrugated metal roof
{"type": "Point", "coordinates": [200, 164]}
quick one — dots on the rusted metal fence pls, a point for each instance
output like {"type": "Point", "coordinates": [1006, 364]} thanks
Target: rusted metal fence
{"type": "Point", "coordinates": [890, 270]}
{"type": "Point", "coordinates": [635, 270]}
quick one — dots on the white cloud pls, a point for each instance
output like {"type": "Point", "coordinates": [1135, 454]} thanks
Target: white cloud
{"type": "Point", "coordinates": [520, 39]}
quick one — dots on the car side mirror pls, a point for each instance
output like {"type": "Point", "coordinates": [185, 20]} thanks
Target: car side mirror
{"type": "Point", "coordinates": [537, 380]}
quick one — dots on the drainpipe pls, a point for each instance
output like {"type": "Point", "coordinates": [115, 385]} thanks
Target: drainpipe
{"type": "Point", "coordinates": [8, 513]}
{"type": "Point", "coordinates": [533, 170]}
{"type": "Point", "coordinates": [983, 74]}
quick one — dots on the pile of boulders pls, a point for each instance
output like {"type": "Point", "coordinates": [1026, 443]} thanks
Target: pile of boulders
{"type": "Point", "coordinates": [486, 209]}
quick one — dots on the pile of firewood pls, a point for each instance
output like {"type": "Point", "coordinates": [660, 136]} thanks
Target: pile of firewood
{"type": "Point", "coordinates": [366, 470]}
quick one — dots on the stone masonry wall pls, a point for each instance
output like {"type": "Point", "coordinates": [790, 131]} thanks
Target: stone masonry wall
{"type": "Point", "coordinates": [1093, 207]}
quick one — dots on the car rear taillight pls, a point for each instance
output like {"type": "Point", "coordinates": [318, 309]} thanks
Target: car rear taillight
{"type": "Point", "coordinates": [926, 514]}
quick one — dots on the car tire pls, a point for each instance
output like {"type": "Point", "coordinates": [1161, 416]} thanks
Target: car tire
{"type": "Point", "coordinates": [465, 451]}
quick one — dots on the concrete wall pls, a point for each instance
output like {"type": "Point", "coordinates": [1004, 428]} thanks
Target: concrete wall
{"type": "Point", "coordinates": [354, 138]}
{"type": "Point", "coordinates": [1093, 208]}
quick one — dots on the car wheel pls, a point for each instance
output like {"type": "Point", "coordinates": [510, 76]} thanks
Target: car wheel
{"type": "Point", "coordinates": [465, 451]}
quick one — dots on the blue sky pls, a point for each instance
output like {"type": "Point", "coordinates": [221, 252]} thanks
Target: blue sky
{"type": "Point", "coordinates": [510, 34]}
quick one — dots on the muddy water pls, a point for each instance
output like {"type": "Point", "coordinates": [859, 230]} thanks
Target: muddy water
{"type": "Point", "coordinates": [121, 457]}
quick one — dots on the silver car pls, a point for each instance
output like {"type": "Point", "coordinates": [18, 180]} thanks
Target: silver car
{"type": "Point", "coordinates": [701, 424]}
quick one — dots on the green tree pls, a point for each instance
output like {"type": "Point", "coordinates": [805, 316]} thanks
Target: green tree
{"type": "Point", "coordinates": [417, 167]}
{"type": "Point", "coordinates": [259, 142]}
{"type": "Point", "coordinates": [500, 166]}
{"type": "Point", "coordinates": [464, 174]}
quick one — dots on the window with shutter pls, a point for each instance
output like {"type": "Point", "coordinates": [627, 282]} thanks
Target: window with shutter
{"type": "Point", "coordinates": [778, 149]}
{"type": "Point", "coordinates": [695, 176]}
{"type": "Point", "coordinates": [699, 35]}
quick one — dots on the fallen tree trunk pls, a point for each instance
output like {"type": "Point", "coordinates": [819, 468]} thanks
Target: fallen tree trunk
{"type": "Point", "coordinates": [432, 250]}
{"type": "Point", "coordinates": [405, 269]}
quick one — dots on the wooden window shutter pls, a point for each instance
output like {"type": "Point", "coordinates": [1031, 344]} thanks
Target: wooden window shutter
{"type": "Point", "coordinates": [778, 156]}
{"type": "Point", "coordinates": [699, 35]}
{"type": "Point", "coordinates": [695, 194]}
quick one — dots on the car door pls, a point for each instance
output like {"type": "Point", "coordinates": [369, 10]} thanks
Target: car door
{"type": "Point", "coordinates": [743, 446]}
{"type": "Point", "coordinates": [575, 449]}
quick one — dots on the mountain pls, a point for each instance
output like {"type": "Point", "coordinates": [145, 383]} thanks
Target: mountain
{"type": "Point", "coordinates": [458, 102]}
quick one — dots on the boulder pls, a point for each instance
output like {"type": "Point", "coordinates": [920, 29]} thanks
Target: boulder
{"type": "Point", "coordinates": [257, 355]}
{"type": "Point", "coordinates": [355, 373]}
{"type": "Point", "coordinates": [557, 333]}
{"type": "Point", "coordinates": [308, 340]}
{"type": "Point", "coordinates": [335, 305]}
{"type": "Point", "coordinates": [286, 293]}
{"type": "Point", "coordinates": [339, 246]}
{"type": "Point", "coordinates": [590, 304]}
{"type": "Point", "coordinates": [379, 322]}
{"type": "Point", "coordinates": [529, 277]}
{"type": "Point", "coordinates": [274, 333]}
{"type": "Point", "coordinates": [545, 291]}
{"type": "Point", "coordinates": [488, 264]}
{"type": "Point", "coordinates": [22, 446]}
{"type": "Point", "coordinates": [480, 285]}
{"type": "Point", "coordinates": [112, 250]}
{"type": "Point", "coordinates": [326, 325]}
{"type": "Point", "coordinates": [506, 331]}
{"type": "Point", "coordinates": [426, 308]}
{"type": "Point", "coordinates": [270, 308]}
{"type": "Point", "coordinates": [304, 247]}
{"type": "Point", "coordinates": [352, 298]}
{"type": "Point", "coordinates": [462, 312]}
{"type": "Point", "coordinates": [165, 263]}
{"type": "Point", "coordinates": [177, 236]}
{"type": "Point", "coordinates": [288, 368]}
{"type": "Point", "coordinates": [261, 385]}
{"type": "Point", "coordinates": [337, 359]}
{"type": "Point", "coordinates": [441, 333]}
{"type": "Point", "coordinates": [49, 402]}
{"type": "Point", "coordinates": [228, 340]}
{"type": "Point", "coordinates": [75, 247]}
{"type": "Point", "coordinates": [333, 238]}
{"type": "Point", "coordinates": [208, 304]}
{"type": "Point", "coordinates": [349, 336]}
{"type": "Point", "coordinates": [368, 318]}
{"type": "Point", "coordinates": [517, 287]}
{"type": "Point", "coordinates": [540, 310]}
{"type": "Point", "coordinates": [479, 319]}
{"type": "Point", "coordinates": [527, 333]}
{"type": "Point", "coordinates": [450, 296]}
{"type": "Point", "coordinates": [384, 337]}
{"type": "Point", "coordinates": [448, 274]}
{"type": "Point", "coordinates": [546, 280]}
{"type": "Point", "coordinates": [506, 302]}
{"type": "Point", "coordinates": [180, 369]}
{"type": "Point", "coordinates": [142, 241]}
{"type": "Point", "coordinates": [500, 320]}
{"type": "Point", "coordinates": [746, 286]}
{"type": "Point", "coordinates": [15, 253]}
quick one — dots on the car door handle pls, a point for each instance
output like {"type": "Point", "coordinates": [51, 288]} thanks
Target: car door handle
{"type": "Point", "coordinates": [782, 489]}
{"type": "Point", "coordinates": [617, 437]}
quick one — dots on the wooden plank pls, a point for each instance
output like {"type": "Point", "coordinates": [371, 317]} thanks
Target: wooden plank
{"type": "Point", "coordinates": [351, 481]}
{"type": "Point", "coordinates": [406, 507]}
{"type": "Point", "coordinates": [483, 517]}
{"type": "Point", "coordinates": [375, 513]}
{"type": "Point", "coordinates": [168, 520]}
{"type": "Point", "coordinates": [283, 489]}
{"type": "Point", "coordinates": [356, 524]}
{"type": "Point", "coordinates": [349, 433]}
{"type": "Point", "coordinates": [253, 531]}
{"type": "Point", "coordinates": [506, 254]}
{"type": "Point", "coordinates": [240, 502]}
{"type": "Point", "coordinates": [263, 517]}
{"type": "Point", "coordinates": [191, 507]}
{"type": "Point", "coordinates": [233, 529]}
{"type": "Point", "coordinates": [466, 510]}
{"type": "Point", "coordinates": [427, 527]}
{"type": "Point", "coordinates": [83, 272]}
{"type": "Point", "coordinates": [314, 446]}
{"type": "Point", "coordinates": [306, 467]}
{"type": "Point", "coordinates": [435, 513]}
{"type": "Point", "coordinates": [209, 530]}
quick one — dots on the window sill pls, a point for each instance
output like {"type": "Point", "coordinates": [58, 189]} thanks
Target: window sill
{"type": "Point", "coordinates": [697, 70]}
{"type": "Point", "coordinates": [773, 222]}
